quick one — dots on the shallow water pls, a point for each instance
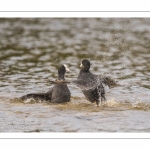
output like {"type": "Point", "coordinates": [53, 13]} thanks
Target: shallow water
{"type": "Point", "coordinates": [33, 49]}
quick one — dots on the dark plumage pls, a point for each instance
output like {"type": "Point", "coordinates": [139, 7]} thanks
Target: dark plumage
{"type": "Point", "coordinates": [58, 93]}
{"type": "Point", "coordinates": [92, 85]}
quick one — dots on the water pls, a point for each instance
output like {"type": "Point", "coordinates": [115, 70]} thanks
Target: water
{"type": "Point", "coordinates": [32, 49]}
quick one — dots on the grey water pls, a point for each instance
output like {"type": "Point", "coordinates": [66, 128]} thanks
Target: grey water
{"type": "Point", "coordinates": [32, 49]}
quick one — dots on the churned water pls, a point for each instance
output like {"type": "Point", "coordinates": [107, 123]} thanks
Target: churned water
{"type": "Point", "coordinates": [32, 49]}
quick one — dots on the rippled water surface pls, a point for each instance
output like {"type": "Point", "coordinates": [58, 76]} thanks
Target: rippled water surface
{"type": "Point", "coordinates": [32, 49]}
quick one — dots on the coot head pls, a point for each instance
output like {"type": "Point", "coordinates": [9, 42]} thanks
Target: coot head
{"type": "Point", "coordinates": [61, 72]}
{"type": "Point", "coordinates": [85, 65]}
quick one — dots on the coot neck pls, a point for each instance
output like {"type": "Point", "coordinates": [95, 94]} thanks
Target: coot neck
{"type": "Point", "coordinates": [84, 69]}
{"type": "Point", "coordinates": [61, 77]}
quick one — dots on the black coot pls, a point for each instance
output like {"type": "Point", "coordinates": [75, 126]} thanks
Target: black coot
{"type": "Point", "coordinates": [59, 93]}
{"type": "Point", "coordinates": [92, 85]}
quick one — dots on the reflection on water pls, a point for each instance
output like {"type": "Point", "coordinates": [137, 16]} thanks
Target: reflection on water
{"type": "Point", "coordinates": [33, 49]}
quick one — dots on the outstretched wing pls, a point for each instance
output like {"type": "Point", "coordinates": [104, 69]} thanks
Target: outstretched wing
{"type": "Point", "coordinates": [35, 96]}
{"type": "Point", "coordinates": [110, 82]}
{"type": "Point", "coordinates": [89, 84]}
{"type": "Point", "coordinates": [95, 82]}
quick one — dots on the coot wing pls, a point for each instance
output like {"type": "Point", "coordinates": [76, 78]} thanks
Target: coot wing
{"type": "Point", "coordinates": [110, 82]}
{"type": "Point", "coordinates": [89, 83]}
{"type": "Point", "coordinates": [35, 96]}
{"type": "Point", "coordinates": [95, 81]}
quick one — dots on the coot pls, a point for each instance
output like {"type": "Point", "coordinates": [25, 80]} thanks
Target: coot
{"type": "Point", "coordinates": [59, 93]}
{"type": "Point", "coordinates": [92, 85]}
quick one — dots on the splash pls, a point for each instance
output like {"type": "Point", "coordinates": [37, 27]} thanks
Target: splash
{"type": "Point", "coordinates": [27, 101]}
{"type": "Point", "coordinates": [112, 103]}
{"type": "Point", "coordinates": [139, 105]}
{"type": "Point", "coordinates": [81, 104]}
